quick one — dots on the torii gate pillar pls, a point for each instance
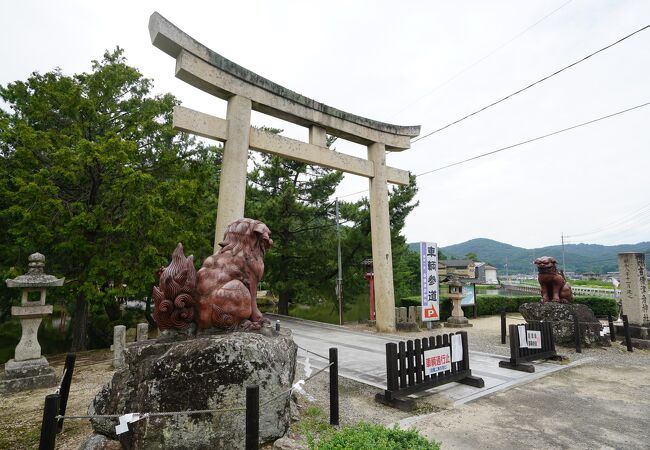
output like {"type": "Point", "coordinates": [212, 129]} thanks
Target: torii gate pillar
{"type": "Point", "coordinates": [382, 258]}
{"type": "Point", "coordinates": [232, 185]}
{"type": "Point", "coordinates": [245, 91]}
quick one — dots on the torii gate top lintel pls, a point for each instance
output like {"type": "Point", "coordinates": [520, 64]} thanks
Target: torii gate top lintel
{"type": "Point", "coordinates": [207, 70]}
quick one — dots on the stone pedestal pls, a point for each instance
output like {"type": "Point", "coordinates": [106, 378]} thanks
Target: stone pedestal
{"type": "Point", "coordinates": [30, 319]}
{"type": "Point", "coordinates": [457, 322]}
{"type": "Point", "coordinates": [24, 375]}
{"type": "Point", "coordinates": [205, 372]}
{"type": "Point", "coordinates": [457, 319]}
{"type": "Point", "coordinates": [561, 316]}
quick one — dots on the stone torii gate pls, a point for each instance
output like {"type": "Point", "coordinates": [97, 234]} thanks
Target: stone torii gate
{"type": "Point", "coordinates": [246, 91]}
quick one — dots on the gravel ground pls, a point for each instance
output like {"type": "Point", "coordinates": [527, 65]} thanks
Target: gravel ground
{"type": "Point", "coordinates": [21, 413]}
{"type": "Point", "coordinates": [587, 405]}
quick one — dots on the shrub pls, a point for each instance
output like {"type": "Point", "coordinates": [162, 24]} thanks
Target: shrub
{"type": "Point", "coordinates": [492, 304]}
{"type": "Point", "coordinates": [367, 436]}
{"type": "Point", "coordinates": [601, 306]}
{"type": "Point", "coordinates": [416, 300]}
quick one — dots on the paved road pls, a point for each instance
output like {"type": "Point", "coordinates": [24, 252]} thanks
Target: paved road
{"type": "Point", "coordinates": [362, 358]}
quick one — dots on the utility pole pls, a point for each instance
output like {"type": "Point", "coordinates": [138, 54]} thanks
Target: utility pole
{"type": "Point", "coordinates": [507, 277]}
{"type": "Point", "coordinates": [339, 279]}
{"type": "Point", "coordinates": [563, 266]}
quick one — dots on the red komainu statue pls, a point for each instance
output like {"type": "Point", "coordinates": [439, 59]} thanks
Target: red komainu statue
{"type": "Point", "coordinates": [227, 282]}
{"type": "Point", "coordinates": [224, 291]}
{"type": "Point", "coordinates": [553, 282]}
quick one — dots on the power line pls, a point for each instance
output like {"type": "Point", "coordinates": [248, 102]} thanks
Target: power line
{"type": "Point", "coordinates": [475, 63]}
{"type": "Point", "coordinates": [621, 221]}
{"type": "Point", "coordinates": [482, 155]}
{"type": "Point", "coordinates": [530, 85]}
{"type": "Point", "coordinates": [620, 230]}
{"type": "Point", "coordinates": [534, 139]}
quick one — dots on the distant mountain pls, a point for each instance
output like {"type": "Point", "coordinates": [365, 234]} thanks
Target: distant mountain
{"type": "Point", "coordinates": [579, 258]}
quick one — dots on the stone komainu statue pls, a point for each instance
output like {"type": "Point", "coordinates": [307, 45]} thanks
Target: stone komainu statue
{"type": "Point", "coordinates": [552, 283]}
{"type": "Point", "coordinates": [223, 294]}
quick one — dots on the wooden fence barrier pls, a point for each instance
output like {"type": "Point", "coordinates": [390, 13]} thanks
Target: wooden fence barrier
{"type": "Point", "coordinates": [406, 369]}
{"type": "Point", "coordinates": [520, 354]}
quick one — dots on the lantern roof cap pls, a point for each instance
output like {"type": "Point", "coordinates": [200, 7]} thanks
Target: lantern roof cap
{"type": "Point", "coordinates": [35, 276]}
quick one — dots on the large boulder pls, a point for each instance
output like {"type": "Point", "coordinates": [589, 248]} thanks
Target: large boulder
{"type": "Point", "coordinates": [561, 316]}
{"type": "Point", "coordinates": [204, 372]}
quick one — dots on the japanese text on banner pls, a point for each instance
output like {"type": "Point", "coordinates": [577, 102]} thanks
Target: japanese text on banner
{"type": "Point", "coordinates": [429, 281]}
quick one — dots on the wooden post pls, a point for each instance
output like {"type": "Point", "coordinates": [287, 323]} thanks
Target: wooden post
{"type": "Point", "coordinates": [612, 329]}
{"type": "Point", "coordinates": [576, 332]}
{"type": "Point", "coordinates": [410, 358]}
{"type": "Point", "coordinates": [628, 338]}
{"type": "Point", "coordinates": [391, 367]}
{"type": "Point", "coordinates": [334, 386]}
{"type": "Point", "coordinates": [503, 326]}
{"type": "Point", "coordinates": [64, 390]}
{"type": "Point", "coordinates": [49, 425]}
{"type": "Point", "coordinates": [418, 361]}
{"type": "Point", "coordinates": [514, 343]}
{"type": "Point", "coordinates": [402, 364]}
{"type": "Point", "coordinates": [252, 417]}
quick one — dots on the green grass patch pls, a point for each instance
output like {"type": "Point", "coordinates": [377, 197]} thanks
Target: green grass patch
{"type": "Point", "coordinates": [363, 436]}
{"type": "Point", "coordinates": [313, 424]}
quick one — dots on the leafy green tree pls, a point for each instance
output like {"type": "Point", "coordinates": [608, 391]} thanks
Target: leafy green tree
{"type": "Point", "coordinates": [93, 176]}
{"type": "Point", "coordinates": [292, 198]}
{"type": "Point", "coordinates": [358, 245]}
{"type": "Point", "coordinates": [471, 256]}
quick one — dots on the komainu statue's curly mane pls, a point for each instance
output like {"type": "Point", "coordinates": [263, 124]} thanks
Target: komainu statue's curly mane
{"type": "Point", "coordinates": [239, 236]}
{"type": "Point", "coordinates": [173, 297]}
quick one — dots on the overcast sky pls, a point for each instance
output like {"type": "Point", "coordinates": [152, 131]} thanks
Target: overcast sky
{"type": "Point", "coordinates": [391, 61]}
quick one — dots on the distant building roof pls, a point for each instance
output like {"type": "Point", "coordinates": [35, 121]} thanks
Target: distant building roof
{"type": "Point", "coordinates": [457, 262]}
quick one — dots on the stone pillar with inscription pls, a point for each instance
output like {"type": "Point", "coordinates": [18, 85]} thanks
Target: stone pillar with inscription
{"type": "Point", "coordinates": [29, 369]}
{"type": "Point", "coordinates": [634, 291]}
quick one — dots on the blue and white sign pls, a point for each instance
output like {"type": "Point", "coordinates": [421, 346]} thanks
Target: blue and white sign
{"type": "Point", "coordinates": [468, 298]}
{"type": "Point", "coordinates": [429, 281]}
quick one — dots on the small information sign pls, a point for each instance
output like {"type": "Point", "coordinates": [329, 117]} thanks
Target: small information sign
{"type": "Point", "coordinates": [456, 348]}
{"type": "Point", "coordinates": [534, 339]}
{"type": "Point", "coordinates": [523, 339]}
{"type": "Point", "coordinates": [429, 276]}
{"type": "Point", "coordinates": [437, 360]}
{"type": "Point", "coordinates": [468, 295]}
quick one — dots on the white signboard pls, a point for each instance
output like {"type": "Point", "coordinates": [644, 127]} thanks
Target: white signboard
{"type": "Point", "coordinates": [534, 339]}
{"type": "Point", "coordinates": [523, 342]}
{"type": "Point", "coordinates": [437, 360]}
{"type": "Point", "coordinates": [429, 274]}
{"type": "Point", "coordinates": [456, 348]}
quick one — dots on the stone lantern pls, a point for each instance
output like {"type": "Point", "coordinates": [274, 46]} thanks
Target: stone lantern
{"type": "Point", "coordinates": [457, 319]}
{"type": "Point", "coordinates": [29, 369]}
